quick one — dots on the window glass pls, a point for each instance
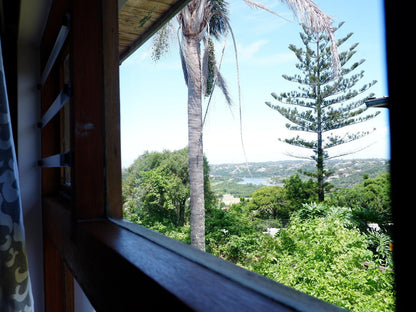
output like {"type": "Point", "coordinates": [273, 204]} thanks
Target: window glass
{"type": "Point", "coordinates": [266, 207]}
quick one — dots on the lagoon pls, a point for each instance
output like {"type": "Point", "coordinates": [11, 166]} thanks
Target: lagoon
{"type": "Point", "coordinates": [257, 181]}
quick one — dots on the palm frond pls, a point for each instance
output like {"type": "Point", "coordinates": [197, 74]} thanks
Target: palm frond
{"type": "Point", "coordinates": [254, 4]}
{"type": "Point", "coordinates": [183, 62]}
{"type": "Point", "coordinates": [239, 97]}
{"type": "Point", "coordinates": [309, 14]}
{"type": "Point", "coordinates": [212, 64]}
{"type": "Point", "coordinates": [220, 82]}
{"type": "Point", "coordinates": [218, 23]}
{"type": "Point", "coordinates": [206, 77]}
{"type": "Point", "coordinates": [314, 18]}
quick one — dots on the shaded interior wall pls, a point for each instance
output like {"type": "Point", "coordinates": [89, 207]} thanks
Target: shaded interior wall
{"type": "Point", "coordinates": [28, 148]}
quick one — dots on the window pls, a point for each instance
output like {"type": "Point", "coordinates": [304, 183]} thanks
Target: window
{"type": "Point", "coordinates": [160, 112]}
{"type": "Point", "coordinates": [118, 265]}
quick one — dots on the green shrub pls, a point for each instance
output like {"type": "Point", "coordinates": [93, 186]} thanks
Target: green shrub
{"type": "Point", "coordinates": [370, 199]}
{"type": "Point", "coordinates": [329, 260]}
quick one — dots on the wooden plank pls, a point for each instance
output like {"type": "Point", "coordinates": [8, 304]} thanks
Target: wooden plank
{"type": "Point", "coordinates": [112, 110]}
{"type": "Point", "coordinates": [110, 282]}
{"type": "Point", "coordinates": [128, 48]}
{"type": "Point", "coordinates": [131, 15]}
{"type": "Point", "coordinates": [88, 179]}
{"type": "Point", "coordinates": [59, 283]}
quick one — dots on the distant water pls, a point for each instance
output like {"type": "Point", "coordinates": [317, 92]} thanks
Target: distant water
{"type": "Point", "coordinates": [257, 181]}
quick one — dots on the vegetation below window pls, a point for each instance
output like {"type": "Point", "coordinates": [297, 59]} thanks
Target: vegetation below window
{"type": "Point", "coordinates": [338, 250]}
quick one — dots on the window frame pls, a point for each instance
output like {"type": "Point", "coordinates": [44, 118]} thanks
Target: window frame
{"type": "Point", "coordinates": [119, 265]}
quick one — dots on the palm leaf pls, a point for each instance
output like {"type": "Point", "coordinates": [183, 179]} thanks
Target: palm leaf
{"type": "Point", "coordinates": [205, 68]}
{"type": "Point", "coordinates": [220, 82]}
{"type": "Point", "coordinates": [312, 17]}
{"type": "Point", "coordinates": [183, 62]}
{"type": "Point", "coordinates": [218, 23]}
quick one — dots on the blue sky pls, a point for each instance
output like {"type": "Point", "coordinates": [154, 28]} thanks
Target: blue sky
{"type": "Point", "coordinates": [154, 94]}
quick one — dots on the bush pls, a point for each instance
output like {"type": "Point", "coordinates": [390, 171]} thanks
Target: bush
{"type": "Point", "coordinates": [220, 225]}
{"type": "Point", "coordinates": [322, 252]}
{"type": "Point", "coordinates": [370, 199]}
{"type": "Point", "coordinates": [379, 242]}
{"type": "Point", "coordinates": [327, 258]}
{"type": "Point", "coordinates": [269, 202]}
{"type": "Point", "coordinates": [180, 233]}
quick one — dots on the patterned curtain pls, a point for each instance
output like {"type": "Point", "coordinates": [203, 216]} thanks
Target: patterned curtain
{"type": "Point", "coordinates": [15, 288]}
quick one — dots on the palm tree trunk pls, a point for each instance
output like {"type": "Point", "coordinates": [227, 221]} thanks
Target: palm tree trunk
{"type": "Point", "coordinates": [192, 55]}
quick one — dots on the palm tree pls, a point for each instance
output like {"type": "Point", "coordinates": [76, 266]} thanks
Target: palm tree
{"type": "Point", "coordinates": [198, 21]}
{"type": "Point", "coordinates": [194, 22]}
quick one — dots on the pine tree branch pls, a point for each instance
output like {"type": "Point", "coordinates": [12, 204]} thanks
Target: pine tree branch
{"type": "Point", "coordinates": [296, 156]}
{"type": "Point", "coordinates": [349, 122]}
{"type": "Point", "coordinates": [304, 120]}
{"type": "Point", "coordinates": [351, 152]}
{"type": "Point", "coordinates": [350, 95]}
{"type": "Point", "coordinates": [299, 142]}
{"type": "Point", "coordinates": [336, 140]}
{"type": "Point", "coordinates": [316, 20]}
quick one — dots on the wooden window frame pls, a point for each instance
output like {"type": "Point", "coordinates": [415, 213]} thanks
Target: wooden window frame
{"type": "Point", "coordinates": [122, 266]}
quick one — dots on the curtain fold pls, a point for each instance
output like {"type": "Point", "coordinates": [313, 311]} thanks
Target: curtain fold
{"type": "Point", "coordinates": [15, 287]}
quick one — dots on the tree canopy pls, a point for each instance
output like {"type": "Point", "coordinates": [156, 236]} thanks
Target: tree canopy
{"type": "Point", "coordinates": [157, 187]}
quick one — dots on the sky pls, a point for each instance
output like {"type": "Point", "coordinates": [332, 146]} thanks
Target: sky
{"type": "Point", "coordinates": [153, 95]}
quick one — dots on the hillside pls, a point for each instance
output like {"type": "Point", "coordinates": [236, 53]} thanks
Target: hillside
{"type": "Point", "coordinates": [229, 178]}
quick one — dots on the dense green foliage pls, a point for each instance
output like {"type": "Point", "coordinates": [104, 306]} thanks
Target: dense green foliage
{"type": "Point", "coordinates": [326, 249]}
{"type": "Point", "coordinates": [269, 202]}
{"type": "Point", "coordinates": [156, 188]}
{"type": "Point", "coordinates": [327, 257]}
{"type": "Point", "coordinates": [299, 192]}
{"type": "Point", "coordinates": [321, 252]}
{"type": "Point", "coordinates": [370, 199]}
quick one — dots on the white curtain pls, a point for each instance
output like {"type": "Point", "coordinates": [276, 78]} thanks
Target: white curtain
{"type": "Point", "coordinates": [15, 288]}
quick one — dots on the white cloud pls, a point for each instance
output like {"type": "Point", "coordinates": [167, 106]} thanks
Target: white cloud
{"type": "Point", "coordinates": [276, 59]}
{"type": "Point", "coordinates": [246, 53]}
{"type": "Point", "coordinates": [257, 53]}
